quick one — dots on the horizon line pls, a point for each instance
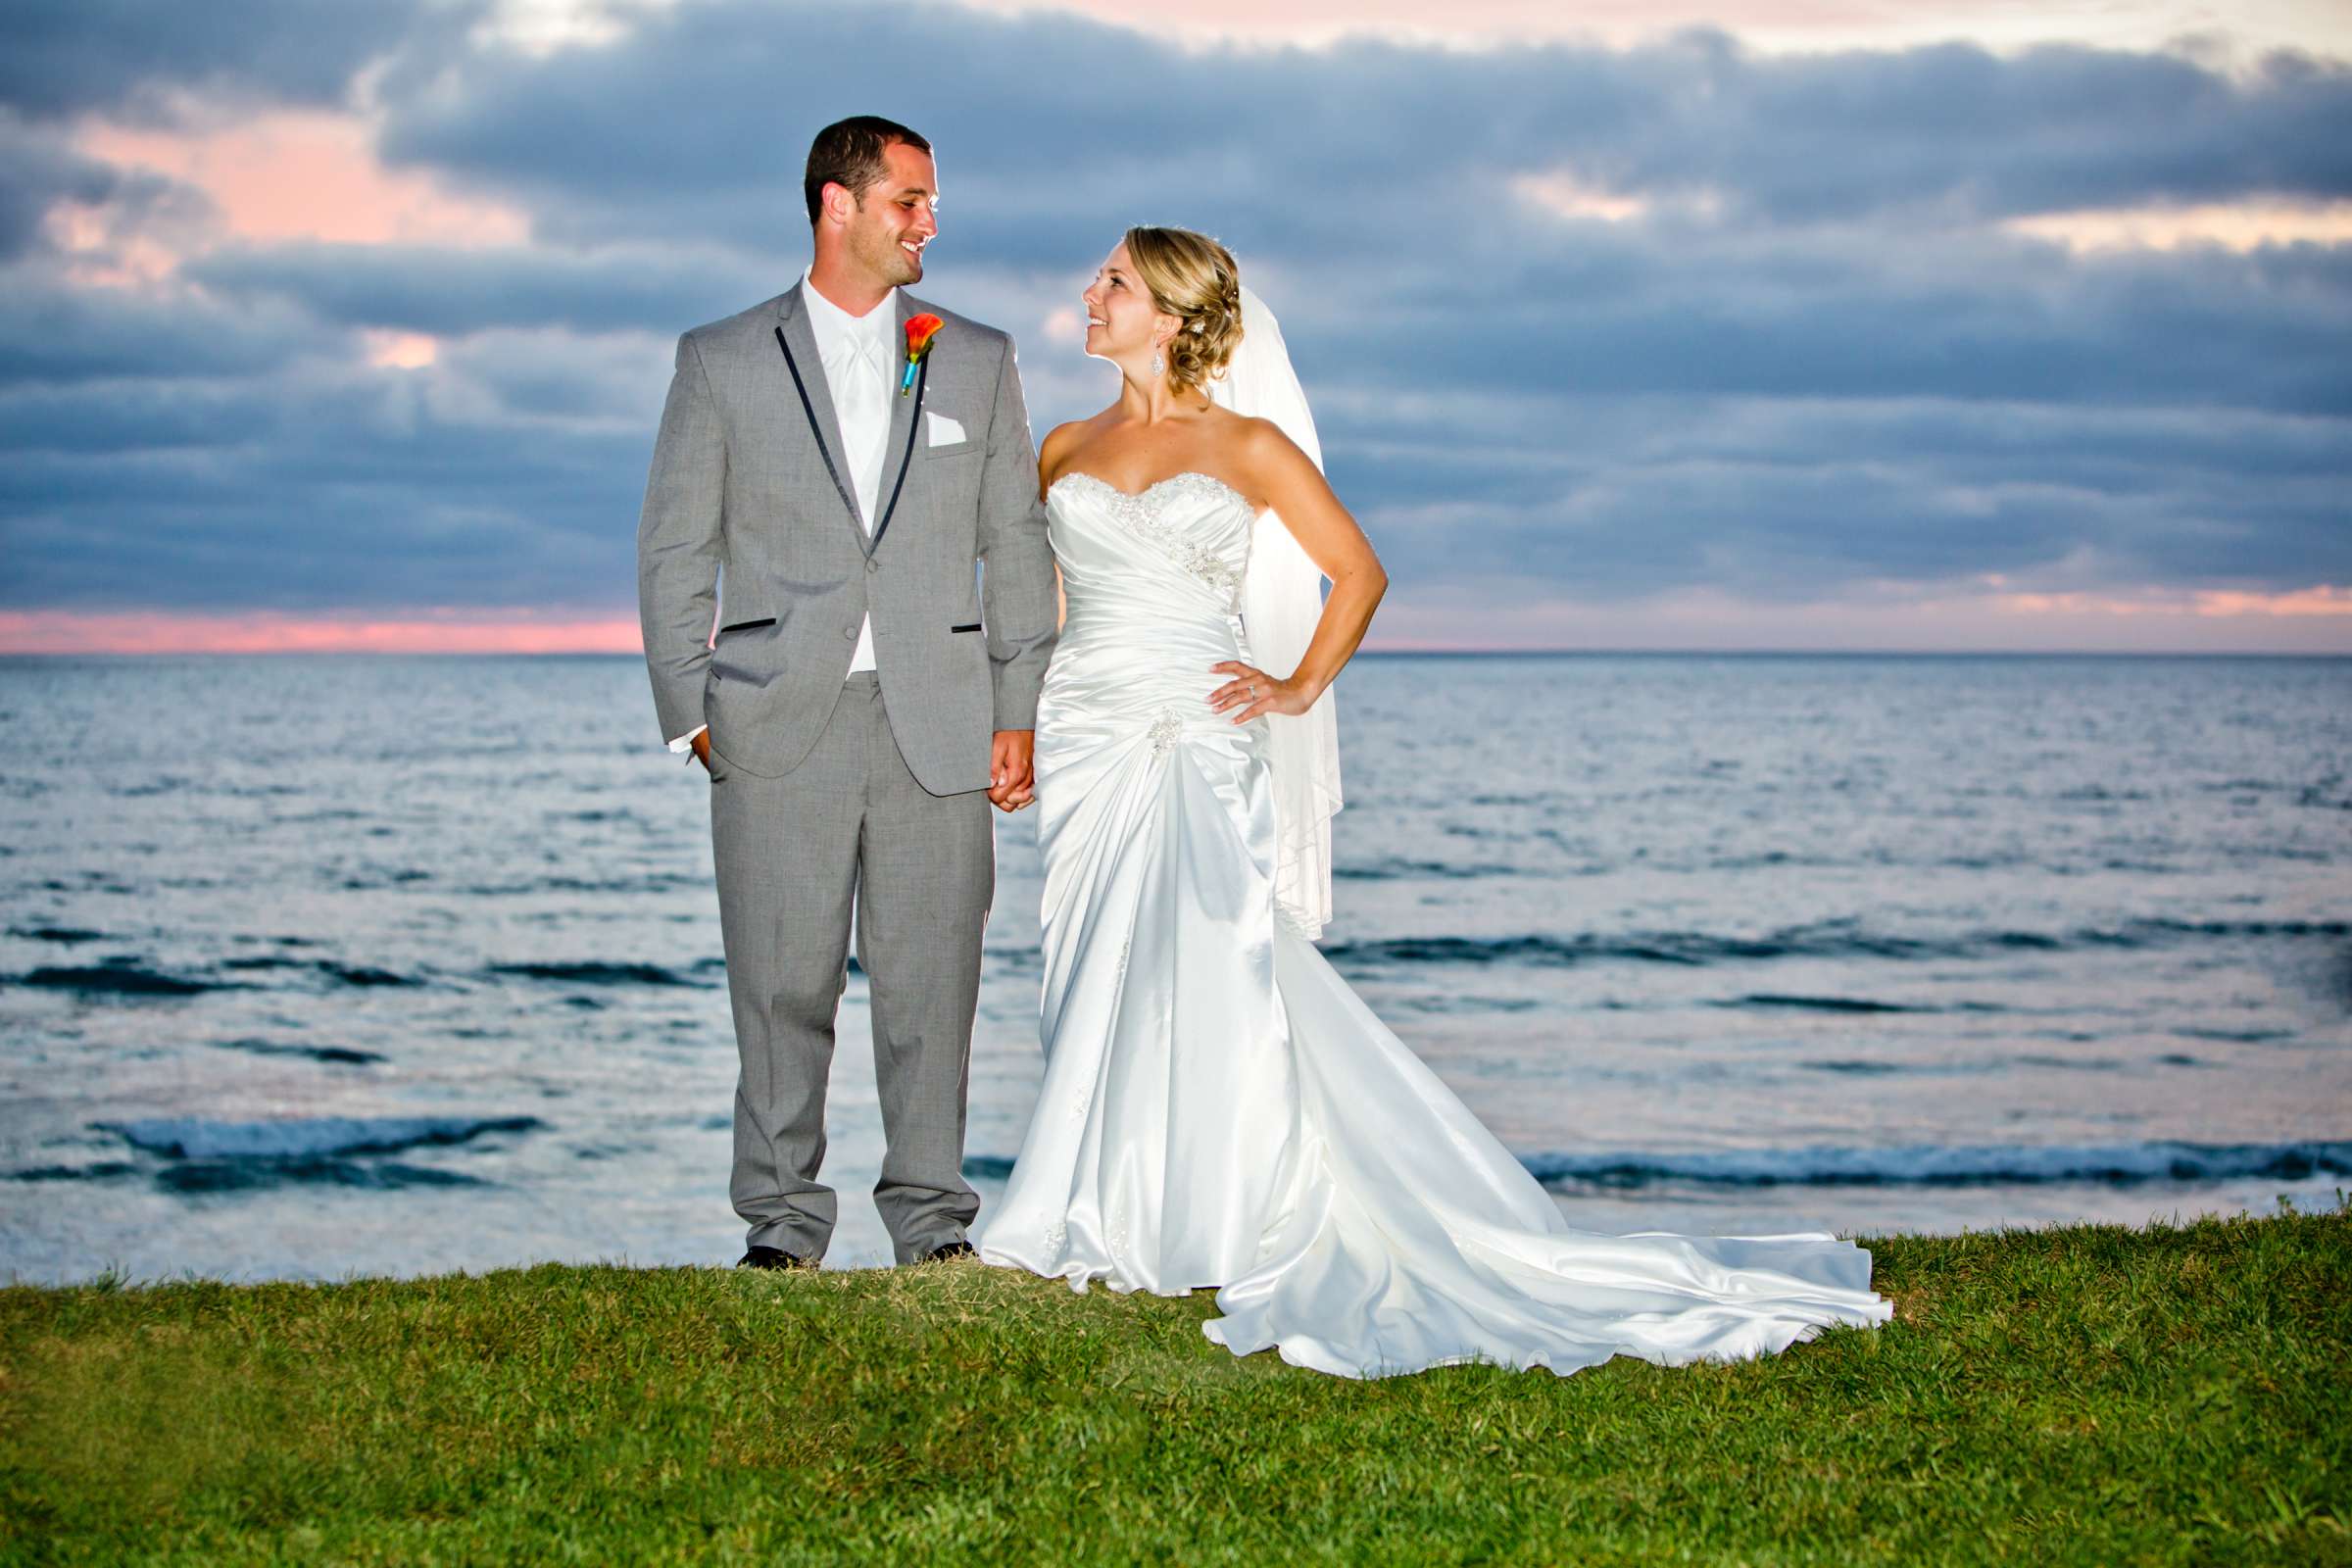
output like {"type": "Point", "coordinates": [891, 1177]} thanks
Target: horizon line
{"type": "Point", "coordinates": [1361, 653]}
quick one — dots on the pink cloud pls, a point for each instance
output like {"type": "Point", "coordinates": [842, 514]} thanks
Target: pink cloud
{"type": "Point", "coordinates": [1769, 24]}
{"type": "Point", "coordinates": [2233, 225]}
{"type": "Point", "coordinates": [2323, 599]}
{"type": "Point", "coordinates": [2310, 620]}
{"type": "Point", "coordinates": [401, 351]}
{"type": "Point", "coordinates": [282, 176]}
{"type": "Point", "coordinates": [415, 631]}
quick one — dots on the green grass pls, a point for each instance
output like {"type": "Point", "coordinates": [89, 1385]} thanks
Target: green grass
{"type": "Point", "coordinates": [2079, 1394]}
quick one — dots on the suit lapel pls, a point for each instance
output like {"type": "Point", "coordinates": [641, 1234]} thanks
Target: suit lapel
{"type": "Point", "coordinates": [808, 372]}
{"type": "Point", "coordinates": [905, 418]}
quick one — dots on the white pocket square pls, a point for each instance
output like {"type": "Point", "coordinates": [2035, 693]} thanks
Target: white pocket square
{"type": "Point", "coordinates": [939, 430]}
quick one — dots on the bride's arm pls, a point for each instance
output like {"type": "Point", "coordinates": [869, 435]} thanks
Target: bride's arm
{"type": "Point", "coordinates": [1052, 454]}
{"type": "Point", "coordinates": [1287, 479]}
{"type": "Point", "coordinates": [1054, 451]}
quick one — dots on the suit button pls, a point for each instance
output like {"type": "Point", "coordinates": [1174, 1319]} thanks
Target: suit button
{"type": "Point", "coordinates": [872, 567]}
{"type": "Point", "coordinates": [848, 634]}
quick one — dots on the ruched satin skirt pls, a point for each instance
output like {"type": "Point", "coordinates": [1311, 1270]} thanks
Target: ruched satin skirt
{"type": "Point", "coordinates": [1220, 1108]}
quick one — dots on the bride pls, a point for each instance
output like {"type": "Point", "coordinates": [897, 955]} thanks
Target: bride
{"type": "Point", "coordinates": [1220, 1108]}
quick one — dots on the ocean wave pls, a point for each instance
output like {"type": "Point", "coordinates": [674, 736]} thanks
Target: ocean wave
{"type": "Point", "coordinates": [1462, 1003]}
{"type": "Point", "coordinates": [1915, 1165]}
{"type": "Point", "coordinates": [1836, 939]}
{"type": "Point", "coordinates": [2153, 932]}
{"type": "Point", "coordinates": [1951, 1165]}
{"type": "Point", "coordinates": [295, 1139]}
{"type": "Point", "coordinates": [606, 972]}
{"type": "Point", "coordinates": [1395, 868]}
{"type": "Point", "coordinates": [130, 977]}
{"type": "Point", "coordinates": [99, 1172]}
{"type": "Point", "coordinates": [658, 882]}
{"type": "Point", "coordinates": [1549, 952]}
{"type": "Point", "coordinates": [2234, 1036]}
{"type": "Point", "coordinates": [55, 933]}
{"type": "Point", "coordinates": [339, 1056]}
{"type": "Point", "coordinates": [1767, 998]}
{"type": "Point", "coordinates": [121, 978]}
{"type": "Point", "coordinates": [370, 882]}
{"type": "Point", "coordinates": [246, 1175]}
{"type": "Point", "coordinates": [360, 974]}
{"type": "Point", "coordinates": [351, 974]}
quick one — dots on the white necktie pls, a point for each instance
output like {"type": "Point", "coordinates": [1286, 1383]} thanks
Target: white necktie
{"type": "Point", "coordinates": [861, 362]}
{"type": "Point", "coordinates": [864, 407]}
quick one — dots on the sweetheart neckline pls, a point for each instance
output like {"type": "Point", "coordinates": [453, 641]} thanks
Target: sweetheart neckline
{"type": "Point", "coordinates": [1138, 495]}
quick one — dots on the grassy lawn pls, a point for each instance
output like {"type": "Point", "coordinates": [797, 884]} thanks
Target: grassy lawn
{"type": "Point", "coordinates": [2080, 1395]}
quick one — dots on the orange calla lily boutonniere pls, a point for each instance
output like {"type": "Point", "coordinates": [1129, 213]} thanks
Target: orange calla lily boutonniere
{"type": "Point", "coordinates": [920, 331]}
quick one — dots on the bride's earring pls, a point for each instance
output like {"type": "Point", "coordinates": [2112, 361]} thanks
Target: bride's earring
{"type": "Point", "coordinates": [1159, 363]}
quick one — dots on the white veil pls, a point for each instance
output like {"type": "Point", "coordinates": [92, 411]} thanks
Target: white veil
{"type": "Point", "coordinates": [1282, 598]}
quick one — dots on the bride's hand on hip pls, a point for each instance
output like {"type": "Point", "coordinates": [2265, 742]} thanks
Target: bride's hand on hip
{"type": "Point", "coordinates": [1255, 691]}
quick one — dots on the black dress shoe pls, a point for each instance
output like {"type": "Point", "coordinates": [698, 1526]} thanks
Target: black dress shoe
{"type": "Point", "coordinates": [939, 1255]}
{"type": "Point", "coordinates": [772, 1257]}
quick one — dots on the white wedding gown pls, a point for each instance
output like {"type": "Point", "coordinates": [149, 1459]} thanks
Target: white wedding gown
{"type": "Point", "coordinates": [1220, 1108]}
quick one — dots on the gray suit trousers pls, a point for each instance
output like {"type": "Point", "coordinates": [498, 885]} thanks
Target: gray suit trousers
{"type": "Point", "coordinates": [851, 823]}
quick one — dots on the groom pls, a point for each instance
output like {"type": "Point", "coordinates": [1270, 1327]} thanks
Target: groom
{"type": "Point", "coordinates": [865, 700]}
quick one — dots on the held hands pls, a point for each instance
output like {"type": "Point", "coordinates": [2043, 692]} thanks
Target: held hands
{"type": "Point", "coordinates": [1255, 691]}
{"type": "Point", "coordinates": [1012, 770]}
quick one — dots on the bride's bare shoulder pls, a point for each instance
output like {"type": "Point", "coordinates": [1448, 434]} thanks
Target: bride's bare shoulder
{"type": "Point", "coordinates": [1223, 421]}
{"type": "Point", "coordinates": [1260, 449]}
{"type": "Point", "coordinates": [1062, 446]}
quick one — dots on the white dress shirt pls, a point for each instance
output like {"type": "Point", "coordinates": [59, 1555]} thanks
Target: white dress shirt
{"type": "Point", "coordinates": [856, 352]}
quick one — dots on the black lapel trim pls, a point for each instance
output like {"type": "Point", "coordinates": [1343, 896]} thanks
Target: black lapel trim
{"type": "Point", "coordinates": [914, 427]}
{"type": "Point", "coordinates": [809, 409]}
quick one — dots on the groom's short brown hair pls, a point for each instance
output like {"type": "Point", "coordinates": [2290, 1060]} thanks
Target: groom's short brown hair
{"type": "Point", "coordinates": [849, 152]}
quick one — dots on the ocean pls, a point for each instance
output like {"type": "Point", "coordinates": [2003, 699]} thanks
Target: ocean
{"type": "Point", "coordinates": [320, 967]}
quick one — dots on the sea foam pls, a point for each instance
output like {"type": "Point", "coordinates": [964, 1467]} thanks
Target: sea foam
{"type": "Point", "coordinates": [192, 1137]}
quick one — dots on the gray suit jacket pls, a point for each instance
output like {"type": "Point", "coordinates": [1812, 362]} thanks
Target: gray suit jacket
{"type": "Point", "coordinates": [750, 484]}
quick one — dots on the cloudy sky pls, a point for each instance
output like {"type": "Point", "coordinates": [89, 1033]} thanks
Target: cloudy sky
{"type": "Point", "coordinates": [1758, 324]}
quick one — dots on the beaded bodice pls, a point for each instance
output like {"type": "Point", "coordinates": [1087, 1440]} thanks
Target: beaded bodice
{"type": "Point", "coordinates": [1184, 541]}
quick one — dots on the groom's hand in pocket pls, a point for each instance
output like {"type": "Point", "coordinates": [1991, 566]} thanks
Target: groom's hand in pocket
{"type": "Point", "coordinates": [1012, 770]}
{"type": "Point", "coordinates": [702, 749]}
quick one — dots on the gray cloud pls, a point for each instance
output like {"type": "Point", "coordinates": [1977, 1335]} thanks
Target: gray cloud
{"type": "Point", "coordinates": [37, 171]}
{"type": "Point", "coordinates": [1784, 499]}
{"type": "Point", "coordinates": [1818, 361]}
{"type": "Point", "coordinates": [131, 57]}
{"type": "Point", "coordinates": [52, 331]}
{"type": "Point", "coordinates": [1056, 115]}
{"type": "Point", "coordinates": [325, 487]}
{"type": "Point", "coordinates": [444, 290]}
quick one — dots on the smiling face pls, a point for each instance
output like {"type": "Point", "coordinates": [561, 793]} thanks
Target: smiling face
{"type": "Point", "coordinates": [884, 234]}
{"type": "Point", "coordinates": [1122, 324]}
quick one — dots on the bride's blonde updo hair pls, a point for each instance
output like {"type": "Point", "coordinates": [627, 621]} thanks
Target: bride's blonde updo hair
{"type": "Point", "coordinates": [1195, 278]}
